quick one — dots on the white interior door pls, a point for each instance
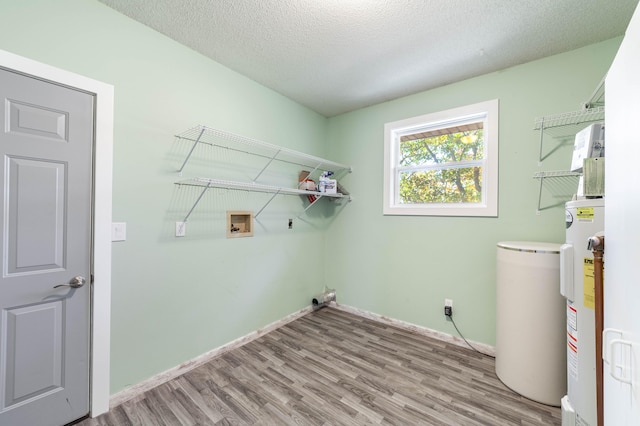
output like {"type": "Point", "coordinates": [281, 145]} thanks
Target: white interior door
{"type": "Point", "coordinates": [622, 232]}
{"type": "Point", "coordinates": [46, 146]}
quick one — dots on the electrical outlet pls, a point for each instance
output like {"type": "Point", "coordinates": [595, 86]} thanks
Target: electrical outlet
{"type": "Point", "coordinates": [448, 307]}
{"type": "Point", "coordinates": [181, 229]}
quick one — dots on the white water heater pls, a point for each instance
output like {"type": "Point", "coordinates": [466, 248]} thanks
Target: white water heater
{"type": "Point", "coordinates": [584, 219]}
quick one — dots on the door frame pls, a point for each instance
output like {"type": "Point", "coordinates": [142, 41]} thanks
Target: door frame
{"type": "Point", "coordinates": [101, 210]}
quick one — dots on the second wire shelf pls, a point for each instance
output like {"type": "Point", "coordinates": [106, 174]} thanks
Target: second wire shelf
{"type": "Point", "coordinates": [207, 183]}
{"type": "Point", "coordinates": [552, 174]}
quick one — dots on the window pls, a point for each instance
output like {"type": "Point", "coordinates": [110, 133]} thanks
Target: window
{"type": "Point", "coordinates": [443, 164]}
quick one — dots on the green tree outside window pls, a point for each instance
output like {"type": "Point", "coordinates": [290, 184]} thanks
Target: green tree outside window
{"type": "Point", "coordinates": [441, 169]}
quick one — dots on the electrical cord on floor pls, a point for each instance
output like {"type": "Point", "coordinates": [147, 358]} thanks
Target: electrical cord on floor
{"type": "Point", "coordinates": [463, 338]}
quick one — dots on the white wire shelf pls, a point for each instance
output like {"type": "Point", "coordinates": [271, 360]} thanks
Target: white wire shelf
{"type": "Point", "coordinates": [572, 118]}
{"type": "Point", "coordinates": [556, 174]}
{"type": "Point", "coordinates": [207, 183]}
{"type": "Point", "coordinates": [227, 140]}
{"type": "Point", "coordinates": [565, 175]}
{"type": "Point", "coordinates": [270, 153]}
{"type": "Point", "coordinates": [254, 187]}
{"type": "Point", "coordinates": [564, 126]}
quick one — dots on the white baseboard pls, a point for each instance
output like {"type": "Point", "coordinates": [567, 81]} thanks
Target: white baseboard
{"type": "Point", "coordinates": [481, 347]}
{"type": "Point", "coordinates": [138, 389]}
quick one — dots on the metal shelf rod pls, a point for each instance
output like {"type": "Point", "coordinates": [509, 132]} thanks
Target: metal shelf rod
{"type": "Point", "coordinates": [597, 95]}
{"type": "Point", "coordinates": [539, 197]}
{"type": "Point", "coordinates": [309, 206]}
{"type": "Point", "coordinates": [266, 165]}
{"type": "Point", "coordinates": [197, 201]}
{"type": "Point", "coordinates": [310, 173]}
{"type": "Point", "coordinates": [191, 152]}
{"type": "Point", "coordinates": [266, 204]}
{"type": "Point", "coordinates": [541, 140]}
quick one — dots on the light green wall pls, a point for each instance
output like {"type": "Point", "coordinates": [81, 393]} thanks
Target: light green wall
{"type": "Point", "coordinates": [404, 267]}
{"type": "Point", "coordinates": [174, 299]}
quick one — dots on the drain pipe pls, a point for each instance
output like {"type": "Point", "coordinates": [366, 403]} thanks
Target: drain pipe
{"type": "Point", "coordinates": [596, 244]}
{"type": "Point", "coordinates": [323, 299]}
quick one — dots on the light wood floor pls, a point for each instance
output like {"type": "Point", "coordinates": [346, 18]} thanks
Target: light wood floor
{"type": "Point", "coordinates": [335, 368]}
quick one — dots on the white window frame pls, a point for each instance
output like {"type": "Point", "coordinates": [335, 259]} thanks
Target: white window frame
{"type": "Point", "coordinates": [488, 206]}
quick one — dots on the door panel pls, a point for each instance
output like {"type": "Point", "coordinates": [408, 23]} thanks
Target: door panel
{"type": "Point", "coordinates": [30, 374]}
{"type": "Point", "coordinates": [46, 145]}
{"type": "Point", "coordinates": [35, 215]}
{"type": "Point", "coordinates": [36, 121]}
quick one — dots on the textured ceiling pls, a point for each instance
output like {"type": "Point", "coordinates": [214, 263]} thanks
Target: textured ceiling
{"type": "Point", "coordinates": [335, 56]}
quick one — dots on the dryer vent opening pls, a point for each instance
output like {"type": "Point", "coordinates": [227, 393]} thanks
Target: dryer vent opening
{"type": "Point", "coordinates": [323, 299]}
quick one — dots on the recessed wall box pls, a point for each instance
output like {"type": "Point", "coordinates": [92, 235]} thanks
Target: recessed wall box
{"type": "Point", "coordinates": [239, 223]}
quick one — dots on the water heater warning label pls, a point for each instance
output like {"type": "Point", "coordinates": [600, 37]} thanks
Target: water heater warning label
{"type": "Point", "coordinates": [589, 284]}
{"type": "Point", "coordinates": [572, 341]}
{"type": "Point", "coordinates": [585, 214]}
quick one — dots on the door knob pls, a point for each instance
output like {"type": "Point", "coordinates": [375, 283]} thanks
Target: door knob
{"type": "Point", "coordinates": [75, 282]}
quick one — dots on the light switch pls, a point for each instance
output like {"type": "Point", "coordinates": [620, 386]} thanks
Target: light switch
{"type": "Point", "coordinates": [118, 231]}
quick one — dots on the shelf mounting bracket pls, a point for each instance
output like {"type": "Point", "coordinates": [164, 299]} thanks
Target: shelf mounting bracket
{"type": "Point", "coordinates": [540, 150]}
{"type": "Point", "coordinates": [267, 203]}
{"type": "Point", "coordinates": [310, 173]}
{"type": "Point", "coordinates": [266, 165]}
{"type": "Point", "coordinates": [309, 206]}
{"type": "Point", "coordinates": [184, 163]}
{"type": "Point", "coordinates": [539, 196]}
{"type": "Point", "coordinates": [197, 201]}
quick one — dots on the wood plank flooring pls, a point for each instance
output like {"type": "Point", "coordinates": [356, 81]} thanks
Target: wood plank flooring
{"type": "Point", "coordinates": [334, 368]}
